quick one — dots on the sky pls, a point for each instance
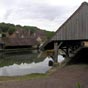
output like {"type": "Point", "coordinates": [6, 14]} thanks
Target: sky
{"type": "Point", "coordinates": [44, 14]}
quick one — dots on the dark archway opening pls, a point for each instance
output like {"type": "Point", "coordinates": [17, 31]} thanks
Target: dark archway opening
{"type": "Point", "coordinates": [80, 57]}
{"type": "Point", "coordinates": [50, 63]}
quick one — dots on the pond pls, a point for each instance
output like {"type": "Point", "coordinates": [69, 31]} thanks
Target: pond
{"type": "Point", "coordinates": [22, 64]}
{"type": "Point", "coordinates": [24, 68]}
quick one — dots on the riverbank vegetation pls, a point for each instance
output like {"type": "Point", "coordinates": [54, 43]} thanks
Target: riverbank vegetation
{"type": "Point", "coordinates": [11, 28]}
{"type": "Point", "coordinates": [20, 78]}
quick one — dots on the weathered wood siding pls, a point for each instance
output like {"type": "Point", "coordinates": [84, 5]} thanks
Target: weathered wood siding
{"type": "Point", "coordinates": [76, 27]}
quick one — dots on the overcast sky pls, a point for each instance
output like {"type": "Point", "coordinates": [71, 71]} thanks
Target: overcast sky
{"type": "Point", "coordinates": [45, 14]}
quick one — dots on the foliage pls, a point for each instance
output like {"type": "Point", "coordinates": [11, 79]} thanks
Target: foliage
{"type": "Point", "coordinates": [78, 85]}
{"type": "Point", "coordinates": [4, 27]}
{"type": "Point", "coordinates": [10, 28]}
{"type": "Point", "coordinates": [18, 26]}
{"type": "Point", "coordinates": [49, 34]}
{"type": "Point", "coordinates": [31, 28]}
{"type": "Point", "coordinates": [25, 77]}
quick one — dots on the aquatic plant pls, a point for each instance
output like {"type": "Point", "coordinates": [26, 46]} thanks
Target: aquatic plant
{"type": "Point", "coordinates": [78, 85]}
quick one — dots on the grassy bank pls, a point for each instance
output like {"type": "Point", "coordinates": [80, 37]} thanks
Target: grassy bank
{"type": "Point", "coordinates": [26, 77]}
{"type": "Point", "coordinates": [41, 76]}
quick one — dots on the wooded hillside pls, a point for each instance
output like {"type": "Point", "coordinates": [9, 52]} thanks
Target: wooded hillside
{"type": "Point", "coordinates": [11, 28]}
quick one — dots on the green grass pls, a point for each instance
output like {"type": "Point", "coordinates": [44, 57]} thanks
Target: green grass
{"type": "Point", "coordinates": [78, 85]}
{"type": "Point", "coordinates": [26, 77]}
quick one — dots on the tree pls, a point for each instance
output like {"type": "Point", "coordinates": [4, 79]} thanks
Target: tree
{"type": "Point", "coordinates": [4, 27]}
{"type": "Point", "coordinates": [11, 30]}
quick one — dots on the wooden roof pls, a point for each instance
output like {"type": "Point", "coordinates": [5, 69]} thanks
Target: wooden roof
{"type": "Point", "coordinates": [75, 27]}
{"type": "Point", "coordinates": [19, 41]}
{"type": "Point", "coordinates": [22, 38]}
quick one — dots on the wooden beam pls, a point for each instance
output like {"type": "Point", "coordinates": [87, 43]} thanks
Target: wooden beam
{"type": "Point", "coordinates": [85, 43]}
{"type": "Point", "coordinates": [60, 44]}
{"type": "Point", "coordinates": [55, 51]}
{"type": "Point", "coordinates": [56, 47]}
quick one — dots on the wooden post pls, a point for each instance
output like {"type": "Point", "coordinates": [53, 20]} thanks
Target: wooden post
{"type": "Point", "coordinates": [55, 51]}
{"type": "Point", "coordinates": [56, 47]}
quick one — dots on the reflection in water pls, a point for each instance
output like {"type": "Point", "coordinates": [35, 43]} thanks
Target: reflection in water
{"type": "Point", "coordinates": [24, 68]}
{"type": "Point", "coordinates": [7, 58]}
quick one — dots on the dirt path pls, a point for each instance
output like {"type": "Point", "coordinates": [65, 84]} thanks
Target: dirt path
{"type": "Point", "coordinates": [66, 77]}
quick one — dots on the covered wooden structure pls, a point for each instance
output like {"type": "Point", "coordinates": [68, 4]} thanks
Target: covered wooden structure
{"type": "Point", "coordinates": [12, 43]}
{"type": "Point", "coordinates": [73, 34]}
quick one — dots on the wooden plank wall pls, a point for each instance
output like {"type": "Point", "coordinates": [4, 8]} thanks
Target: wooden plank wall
{"type": "Point", "coordinates": [76, 27]}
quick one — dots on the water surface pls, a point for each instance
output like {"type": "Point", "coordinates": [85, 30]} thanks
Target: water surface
{"type": "Point", "coordinates": [23, 68]}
